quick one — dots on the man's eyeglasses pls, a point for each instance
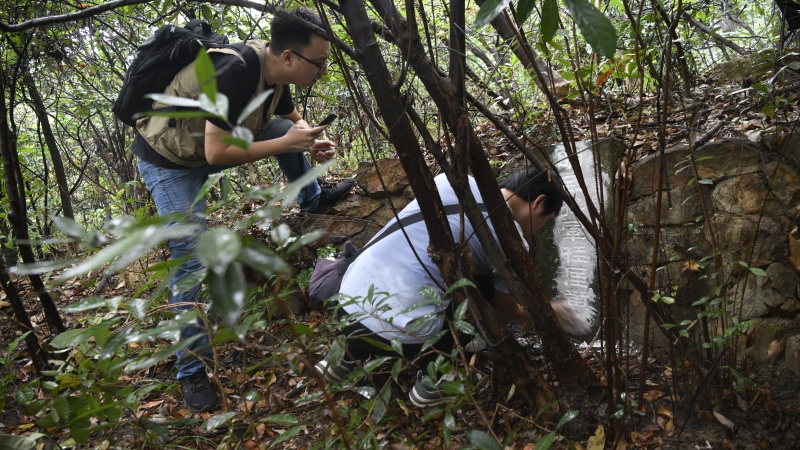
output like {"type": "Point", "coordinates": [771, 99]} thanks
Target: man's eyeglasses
{"type": "Point", "coordinates": [320, 66]}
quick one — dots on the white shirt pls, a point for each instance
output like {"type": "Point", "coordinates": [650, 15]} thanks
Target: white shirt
{"type": "Point", "coordinates": [385, 280]}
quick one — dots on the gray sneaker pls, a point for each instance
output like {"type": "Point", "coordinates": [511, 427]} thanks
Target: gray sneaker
{"type": "Point", "coordinates": [423, 395]}
{"type": "Point", "coordinates": [335, 374]}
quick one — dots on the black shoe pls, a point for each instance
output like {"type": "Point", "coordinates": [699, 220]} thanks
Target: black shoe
{"type": "Point", "coordinates": [328, 197]}
{"type": "Point", "coordinates": [198, 392]}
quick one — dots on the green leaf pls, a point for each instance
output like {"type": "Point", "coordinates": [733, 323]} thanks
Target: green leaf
{"type": "Point", "coordinates": [458, 285]}
{"type": "Point", "coordinates": [69, 227]}
{"type": "Point", "coordinates": [93, 303]}
{"type": "Point", "coordinates": [290, 433]}
{"type": "Point", "coordinates": [448, 424]}
{"type": "Point", "coordinates": [210, 182]}
{"type": "Point", "coordinates": [482, 440]}
{"type": "Point", "coordinates": [117, 340]}
{"type": "Point", "coordinates": [546, 441]}
{"type": "Point", "coordinates": [149, 360]}
{"type": "Point", "coordinates": [70, 338]}
{"type": "Point", "coordinates": [171, 100]}
{"type": "Point", "coordinates": [524, 10]}
{"type": "Point", "coordinates": [461, 311]}
{"type": "Point", "coordinates": [204, 69]}
{"type": "Point", "coordinates": [263, 261]}
{"type": "Point", "coordinates": [301, 329]}
{"type": "Point", "coordinates": [177, 114]}
{"type": "Point", "coordinates": [282, 419]}
{"type": "Point", "coordinates": [218, 107]}
{"type": "Point", "coordinates": [758, 272]}
{"type": "Point", "coordinates": [218, 420]}
{"type": "Point", "coordinates": [381, 404]}
{"type": "Point", "coordinates": [62, 408]}
{"type": "Point", "coordinates": [549, 19]}
{"type": "Point", "coordinates": [253, 105]}
{"type": "Point", "coordinates": [34, 440]}
{"type": "Point", "coordinates": [218, 248]}
{"type": "Point", "coordinates": [489, 10]}
{"type": "Point", "coordinates": [372, 365]}
{"type": "Point", "coordinates": [432, 340]}
{"type": "Point", "coordinates": [41, 267]}
{"type": "Point", "coordinates": [595, 27]}
{"type": "Point", "coordinates": [291, 192]}
{"type": "Point", "coordinates": [138, 307]}
{"type": "Point", "coordinates": [569, 415]}
{"type": "Point", "coordinates": [128, 249]}
{"type": "Point", "coordinates": [228, 292]}
{"type": "Point", "coordinates": [244, 135]}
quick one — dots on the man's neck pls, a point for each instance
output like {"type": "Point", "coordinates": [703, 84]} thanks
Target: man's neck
{"type": "Point", "coordinates": [272, 66]}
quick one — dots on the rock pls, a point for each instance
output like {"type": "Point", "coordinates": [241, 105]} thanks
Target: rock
{"type": "Point", "coordinates": [792, 354]}
{"type": "Point", "coordinates": [645, 172]}
{"type": "Point", "coordinates": [392, 178]}
{"type": "Point", "coordinates": [727, 158]}
{"type": "Point", "coordinates": [686, 207]}
{"type": "Point", "coordinates": [784, 182]}
{"type": "Point", "coordinates": [766, 332]}
{"type": "Point", "coordinates": [741, 195]}
{"type": "Point", "coordinates": [752, 295]}
{"type": "Point", "coordinates": [783, 278]}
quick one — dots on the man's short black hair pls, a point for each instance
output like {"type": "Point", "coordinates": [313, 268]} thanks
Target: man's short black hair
{"type": "Point", "coordinates": [289, 33]}
{"type": "Point", "coordinates": [529, 183]}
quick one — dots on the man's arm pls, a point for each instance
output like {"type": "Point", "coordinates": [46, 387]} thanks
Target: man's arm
{"type": "Point", "coordinates": [510, 311]}
{"type": "Point", "coordinates": [299, 138]}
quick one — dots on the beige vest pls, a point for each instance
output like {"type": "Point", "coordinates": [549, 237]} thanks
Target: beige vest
{"type": "Point", "coordinates": [184, 142]}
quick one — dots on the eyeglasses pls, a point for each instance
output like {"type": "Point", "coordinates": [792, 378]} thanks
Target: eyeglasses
{"type": "Point", "coordinates": [315, 64]}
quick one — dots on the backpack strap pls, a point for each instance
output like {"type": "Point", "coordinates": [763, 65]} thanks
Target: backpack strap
{"type": "Point", "coordinates": [449, 210]}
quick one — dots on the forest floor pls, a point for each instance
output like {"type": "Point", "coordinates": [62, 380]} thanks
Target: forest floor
{"type": "Point", "coordinates": [265, 381]}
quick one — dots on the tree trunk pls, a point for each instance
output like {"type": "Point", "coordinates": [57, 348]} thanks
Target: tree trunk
{"type": "Point", "coordinates": [38, 356]}
{"type": "Point", "coordinates": [17, 213]}
{"type": "Point", "coordinates": [52, 147]}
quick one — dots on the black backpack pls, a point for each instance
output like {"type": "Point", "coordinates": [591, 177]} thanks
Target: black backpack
{"type": "Point", "coordinates": [157, 62]}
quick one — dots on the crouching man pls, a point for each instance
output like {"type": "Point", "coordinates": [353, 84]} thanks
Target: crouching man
{"type": "Point", "coordinates": [382, 286]}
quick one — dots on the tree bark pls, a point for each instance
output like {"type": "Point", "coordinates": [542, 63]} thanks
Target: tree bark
{"type": "Point", "coordinates": [17, 213]}
{"type": "Point", "coordinates": [35, 351]}
{"type": "Point", "coordinates": [52, 147]}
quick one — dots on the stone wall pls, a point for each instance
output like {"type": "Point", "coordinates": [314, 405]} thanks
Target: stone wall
{"type": "Point", "coordinates": [737, 203]}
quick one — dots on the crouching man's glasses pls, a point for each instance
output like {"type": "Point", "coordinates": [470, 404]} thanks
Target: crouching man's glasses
{"type": "Point", "coordinates": [320, 66]}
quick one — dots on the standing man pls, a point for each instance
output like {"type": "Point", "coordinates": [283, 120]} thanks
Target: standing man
{"type": "Point", "coordinates": [176, 156]}
{"type": "Point", "coordinates": [382, 286]}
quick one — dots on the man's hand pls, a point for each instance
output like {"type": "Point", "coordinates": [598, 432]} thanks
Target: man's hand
{"type": "Point", "coordinates": [569, 319]}
{"type": "Point", "coordinates": [323, 151]}
{"type": "Point", "coordinates": [300, 138]}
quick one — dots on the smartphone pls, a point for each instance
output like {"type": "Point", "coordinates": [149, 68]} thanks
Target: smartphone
{"type": "Point", "coordinates": [327, 120]}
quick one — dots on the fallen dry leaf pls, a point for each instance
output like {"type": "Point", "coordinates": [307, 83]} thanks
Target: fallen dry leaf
{"type": "Point", "coordinates": [723, 420]}
{"type": "Point", "coordinates": [598, 440]}
{"type": "Point", "coordinates": [775, 350]}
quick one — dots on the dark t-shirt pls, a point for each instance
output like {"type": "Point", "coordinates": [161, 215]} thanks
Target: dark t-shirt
{"type": "Point", "coordinates": [236, 79]}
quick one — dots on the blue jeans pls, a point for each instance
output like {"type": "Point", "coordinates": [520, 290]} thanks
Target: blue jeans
{"type": "Point", "coordinates": [173, 192]}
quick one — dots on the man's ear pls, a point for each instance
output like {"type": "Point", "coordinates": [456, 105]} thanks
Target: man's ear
{"type": "Point", "coordinates": [286, 57]}
{"type": "Point", "coordinates": [540, 200]}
